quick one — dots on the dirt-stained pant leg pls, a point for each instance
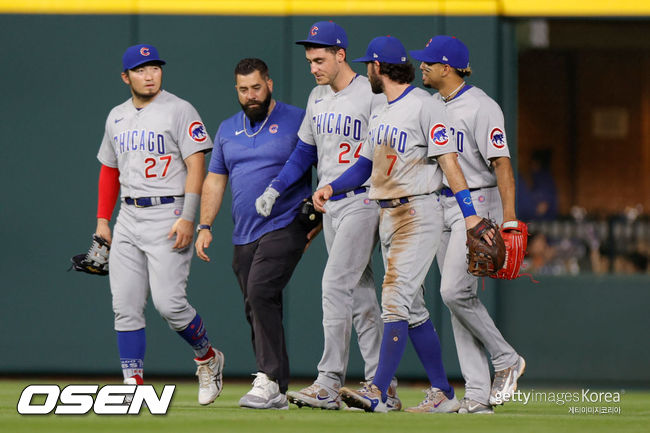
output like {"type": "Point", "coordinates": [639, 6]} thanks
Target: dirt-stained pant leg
{"type": "Point", "coordinates": [409, 236]}
{"type": "Point", "coordinates": [474, 329]}
{"type": "Point", "coordinates": [350, 228]}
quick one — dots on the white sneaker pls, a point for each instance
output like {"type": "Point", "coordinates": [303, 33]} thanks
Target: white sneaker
{"type": "Point", "coordinates": [316, 395]}
{"type": "Point", "coordinates": [210, 377]}
{"type": "Point", "coordinates": [367, 398]}
{"type": "Point", "coordinates": [468, 405]}
{"type": "Point", "coordinates": [436, 402]}
{"type": "Point", "coordinates": [505, 382]}
{"type": "Point", "coordinates": [265, 394]}
{"type": "Point", "coordinates": [133, 380]}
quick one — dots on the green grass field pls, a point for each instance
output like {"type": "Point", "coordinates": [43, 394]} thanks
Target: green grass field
{"type": "Point", "coordinates": [186, 416]}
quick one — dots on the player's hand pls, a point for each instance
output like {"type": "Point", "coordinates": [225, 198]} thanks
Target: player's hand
{"type": "Point", "coordinates": [103, 229]}
{"type": "Point", "coordinates": [203, 241]}
{"type": "Point", "coordinates": [321, 196]}
{"type": "Point", "coordinates": [312, 234]}
{"type": "Point", "coordinates": [472, 220]}
{"type": "Point", "coordinates": [184, 231]}
{"type": "Point", "coordinates": [264, 203]}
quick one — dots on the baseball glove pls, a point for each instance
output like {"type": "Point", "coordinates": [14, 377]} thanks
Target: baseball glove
{"type": "Point", "coordinates": [308, 215]}
{"type": "Point", "coordinates": [516, 244]}
{"type": "Point", "coordinates": [483, 259]}
{"type": "Point", "coordinates": [95, 261]}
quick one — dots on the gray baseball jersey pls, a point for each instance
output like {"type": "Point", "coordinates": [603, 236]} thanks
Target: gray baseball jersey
{"type": "Point", "coordinates": [403, 137]}
{"type": "Point", "coordinates": [479, 130]}
{"type": "Point", "coordinates": [478, 126]}
{"type": "Point", "coordinates": [149, 146]}
{"type": "Point", "coordinates": [336, 123]}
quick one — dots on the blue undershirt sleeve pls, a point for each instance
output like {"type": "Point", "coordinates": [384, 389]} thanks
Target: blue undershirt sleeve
{"type": "Point", "coordinates": [353, 176]}
{"type": "Point", "coordinates": [301, 160]}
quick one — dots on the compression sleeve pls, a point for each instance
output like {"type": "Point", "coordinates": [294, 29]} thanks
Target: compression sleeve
{"type": "Point", "coordinates": [108, 190]}
{"type": "Point", "coordinates": [353, 176]}
{"type": "Point", "coordinates": [301, 160]}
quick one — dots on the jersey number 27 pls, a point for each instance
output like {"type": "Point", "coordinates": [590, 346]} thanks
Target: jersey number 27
{"type": "Point", "coordinates": [150, 166]}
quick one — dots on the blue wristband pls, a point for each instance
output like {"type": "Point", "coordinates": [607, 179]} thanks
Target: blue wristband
{"type": "Point", "coordinates": [464, 200]}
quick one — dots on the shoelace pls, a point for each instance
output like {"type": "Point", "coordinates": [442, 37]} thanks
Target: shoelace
{"type": "Point", "coordinates": [205, 375]}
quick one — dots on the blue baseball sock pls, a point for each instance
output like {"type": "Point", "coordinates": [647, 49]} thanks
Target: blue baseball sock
{"type": "Point", "coordinates": [427, 346]}
{"type": "Point", "coordinates": [392, 349]}
{"type": "Point", "coordinates": [196, 335]}
{"type": "Point", "coordinates": [132, 345]}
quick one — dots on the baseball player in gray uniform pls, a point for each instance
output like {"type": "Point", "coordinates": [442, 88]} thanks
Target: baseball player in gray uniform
{"type": "Point", "coordinates": [478, 127]}
{"type": "Point", "coordinates": [338, 110]}
{"type": "Point", "coordinates": [153, 149]}
{"type": "Point", "coordinates": [406, 148]}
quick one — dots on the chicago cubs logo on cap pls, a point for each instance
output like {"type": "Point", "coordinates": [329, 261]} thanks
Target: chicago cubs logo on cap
{"type": "Point", "coordinates": [144, 51]}
{"type": "Point", "coordinates": [197, 132]}
{"type": "Point", "coordinates": [313, 31]}
{"type": "Point", "coordinates": [273, 128]}
{"type": "Point", "coordinates": [497, 138]}
{"type": "Point", "coordinates": [439, 134]}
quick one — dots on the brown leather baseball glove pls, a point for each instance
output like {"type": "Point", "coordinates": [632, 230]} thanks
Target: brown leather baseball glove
{"type": "Point", "coordinates": [484, 259]}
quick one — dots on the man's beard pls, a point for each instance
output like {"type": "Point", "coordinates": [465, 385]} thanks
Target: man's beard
{"type": "Point", "coordinates": [258, 113]}
{"type": "Point", "coordinates": [375, 84]}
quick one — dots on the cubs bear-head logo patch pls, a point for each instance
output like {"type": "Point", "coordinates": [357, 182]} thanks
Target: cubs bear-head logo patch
{"type": "Point", "coordinates": [273, 128]}
{"type": "Point", "coordinates": [313, 31]}
{"type": "Point", "coordinates": [497, 138]}
{"type": "Point", "coordinates": [197, 132]}
{"type": "Point", "coordinates": [144, 51]}
{"type": "Point", "coordinates": [439, 134]}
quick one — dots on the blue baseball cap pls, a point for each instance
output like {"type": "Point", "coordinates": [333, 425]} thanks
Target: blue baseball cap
{"type": "Point", "coordinates": [139, 54]}
{"type": "Point", "coordinates": [444, 49]}
{"type": "Point", "coordinates": [387, 49]}
{"type": "Point", "coordinates": [326, 33]}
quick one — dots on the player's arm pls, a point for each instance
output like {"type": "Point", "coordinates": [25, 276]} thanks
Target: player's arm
{"type": "Point", "coordinates": [107, 192]}
{"type": "Point", "coordinates": [449, 164]}
{"type": "Point", "coordinates": [301, 159]}
{"type": "Point", "coordinates": [506, 185]}
{"type": "Point", "coordinates": [183, 228]}
{"type": "Point", "coordinates": [214, 187]}
{"type": "Point", "coordinates": [350, 179]}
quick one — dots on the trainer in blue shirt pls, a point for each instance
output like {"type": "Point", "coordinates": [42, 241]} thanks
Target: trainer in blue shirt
{"type": "Point", "coordinates": [250, 149]}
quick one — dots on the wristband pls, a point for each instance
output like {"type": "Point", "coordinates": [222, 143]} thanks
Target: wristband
{"type": "Point", "coordinates": [192, 202]}
{"type": "Point", "coordinates": [203, 227]}
{"type": "Point", "coordinates": [464, 200]}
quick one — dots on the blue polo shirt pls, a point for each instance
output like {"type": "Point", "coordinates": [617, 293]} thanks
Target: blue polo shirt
{"type": "Point", "coordinates": [252, 161]}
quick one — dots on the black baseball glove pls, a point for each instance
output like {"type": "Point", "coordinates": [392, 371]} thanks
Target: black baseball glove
{"type": "Point", "coordinates": [95, 261]}
{"type": "Point", "coordinates": [308, 215]}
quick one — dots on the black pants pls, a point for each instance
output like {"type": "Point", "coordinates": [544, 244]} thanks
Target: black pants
{"type": "Point", "coordinates": [263, 268]}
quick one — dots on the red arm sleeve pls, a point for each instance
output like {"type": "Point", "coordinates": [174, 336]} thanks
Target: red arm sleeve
{"type": "Point", "coordinates": [109, 188]}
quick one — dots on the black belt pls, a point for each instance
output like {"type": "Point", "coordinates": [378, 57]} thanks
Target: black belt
{"type": "Point", "coordinates": [393, 202]}
{"type": "Point", "coordinates": [447, 192]}
{"type": "Point", "coordinates": [149, 201]}
{"type": "Point", "coordinates": [352, 193]}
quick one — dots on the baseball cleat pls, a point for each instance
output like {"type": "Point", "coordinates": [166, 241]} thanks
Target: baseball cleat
{"type": "Point", "coordinates": [472, 406]}
{"type": "Point", "coordinates": [265, 394]}
{"type": "Point", "coordinates": [367, 398]}
{"type": "Point", "coordinates": [393, 402]}
{"type": "Point", "coordinates": [505, 382]}
{"type": "Point", "coordinates": [210, 377]}
{"type": "Point", "coordinates": [435, 402]}
{"type": "Point", "coordinates": [317, 396]}
{"type": "Point", "coordinates": [133, 380]}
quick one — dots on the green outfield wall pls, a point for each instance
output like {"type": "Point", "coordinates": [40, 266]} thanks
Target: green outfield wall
{"type": "Point", "coordinates": [60, 77]}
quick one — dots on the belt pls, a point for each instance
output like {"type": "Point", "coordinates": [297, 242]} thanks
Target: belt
{"type": "Point", "coordinates": [447, 192]}
{"type": "Point", "coordinates": [393, 202]}
{"type": "Point", "coordinates": [149, 201]}
{"type": "Point", "coordinates": [352, 193]}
